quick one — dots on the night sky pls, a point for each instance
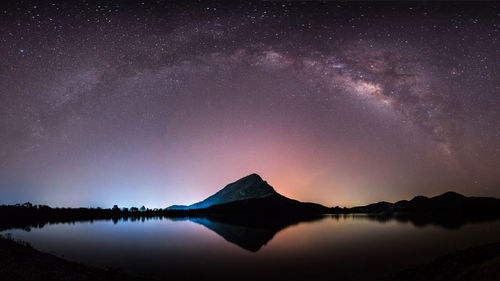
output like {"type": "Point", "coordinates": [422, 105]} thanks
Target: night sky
{"type": "Point", "coordinates": [156, 104]}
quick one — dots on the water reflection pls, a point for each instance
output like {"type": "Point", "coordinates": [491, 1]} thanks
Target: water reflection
{"type": "Point", "coordinates": [444, 220]}
{"type": "Point", "coordinates": [249, 232]}
{"type": "Point", "coordinates": [252, 232]}
{"type": "Point", "coordinates": [268, 248]}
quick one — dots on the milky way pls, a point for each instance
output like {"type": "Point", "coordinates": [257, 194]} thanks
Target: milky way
{"type": "Point", "coordinates": [159, 104]}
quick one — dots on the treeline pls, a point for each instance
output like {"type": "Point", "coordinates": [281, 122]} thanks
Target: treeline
{"type": "Point", "coordinates": [445, 208]}
{"type": "Point", "coordinates": [29, 215]}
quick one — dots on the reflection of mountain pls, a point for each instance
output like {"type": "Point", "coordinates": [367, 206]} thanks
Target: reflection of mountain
{"type": "Point", "coordinates": [250, 194]}
{"type": "Point", "coordinates": [249, 238]}
{"type": "Point", "coordinates": [249, 232]}
{"type": "Point", "coordinates": [445, 220]}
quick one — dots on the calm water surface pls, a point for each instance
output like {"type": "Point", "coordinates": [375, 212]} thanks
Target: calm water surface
{"type": "Point", "coordinates": [330, 248]}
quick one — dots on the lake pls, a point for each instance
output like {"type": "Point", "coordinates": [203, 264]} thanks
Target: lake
{"type": "Point", "coordinates": [334, 247]}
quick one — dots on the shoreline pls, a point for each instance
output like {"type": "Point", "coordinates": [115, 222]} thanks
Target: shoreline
{"type": "Point", "coordinates": [479, 263]}
{"type": "Point", "coordinates": [20, 261]}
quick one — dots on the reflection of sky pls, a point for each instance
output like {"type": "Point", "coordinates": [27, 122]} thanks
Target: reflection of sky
{"type": "Point", "coordinates": [183, 248]}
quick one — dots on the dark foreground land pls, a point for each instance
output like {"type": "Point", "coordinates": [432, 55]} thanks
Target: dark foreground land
{"type": "Point", "coordinates": [480, 263]}
{"type": "Point", "coordinates": [19, 261]}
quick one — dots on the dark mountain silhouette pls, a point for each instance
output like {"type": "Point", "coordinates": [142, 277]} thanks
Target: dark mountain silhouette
{"type": "Point", "coordinates": [251, 194]}
{"type": "Point", "coordinates": [251, 186]}
{"type": "Point", "coordinates": [274, 203]}
{"type": "Point", "coordinates": [445, 203]}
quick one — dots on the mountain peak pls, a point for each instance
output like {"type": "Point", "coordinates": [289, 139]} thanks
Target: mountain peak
{"type": "Point", "coordinates": [419, 198]}
{"type": "Point", "coordinates": [249, 187]}
{"type": "Point", "coordinates": [253, 176]}
{"type": "Point", "coordinates": [450, 195]}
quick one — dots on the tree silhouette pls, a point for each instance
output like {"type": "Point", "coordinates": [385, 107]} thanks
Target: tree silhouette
{"type": "Point", "coordinates": [27, 205]}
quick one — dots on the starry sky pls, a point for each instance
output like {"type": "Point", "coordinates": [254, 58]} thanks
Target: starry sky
{"type": "Point", "coordinates": [154, 103]}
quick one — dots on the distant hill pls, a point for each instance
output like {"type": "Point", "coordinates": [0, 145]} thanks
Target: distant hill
{"type": "Point", "coordinates": [251, 194]}
{"type": "Point", "coordinates": [446, 202]}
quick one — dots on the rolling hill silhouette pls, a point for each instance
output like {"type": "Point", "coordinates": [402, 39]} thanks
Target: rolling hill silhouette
{"type": "Point", "coordinates": [447, 202]}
